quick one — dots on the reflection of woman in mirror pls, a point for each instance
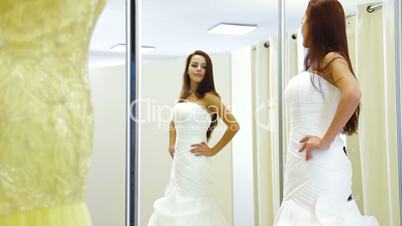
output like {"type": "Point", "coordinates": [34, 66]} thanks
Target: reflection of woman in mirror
{"type": "Point", "coordinates": [186, 201]}
{"type": "Point", "coordinates": [323, 103]}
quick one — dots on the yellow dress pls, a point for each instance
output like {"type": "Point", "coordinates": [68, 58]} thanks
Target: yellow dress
{"type": "Point", "coordinates": [46, 123]}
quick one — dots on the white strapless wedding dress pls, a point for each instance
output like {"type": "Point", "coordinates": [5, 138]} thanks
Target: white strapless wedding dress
{"type": "Point", "coordinates": [186, 201]}
{"type": "Point", "coordinates": [316, 192]}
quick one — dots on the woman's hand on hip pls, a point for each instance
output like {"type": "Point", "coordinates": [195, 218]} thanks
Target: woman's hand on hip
{"type": "Point", "coordinates": [310, 143]}
{"type": "Point", "coordinates": [171, 151]}
{"type": "Point", "coordinates": [202, 149]}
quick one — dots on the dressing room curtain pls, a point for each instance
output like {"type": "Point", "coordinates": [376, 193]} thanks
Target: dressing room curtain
{"type": "Point", "coordinates": [274, 124]}
{"type": "Point", "coordinates": [264, 122]}
{"type": "Point", "coordinates": [377, 130]}
{"type": "Point", "coordinates": [265, 130]}
{"type": "Point", "coordinates": [261, 131]}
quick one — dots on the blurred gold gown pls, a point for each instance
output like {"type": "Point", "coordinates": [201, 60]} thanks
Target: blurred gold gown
{"type": "Point", "coordinates": [46, 124]}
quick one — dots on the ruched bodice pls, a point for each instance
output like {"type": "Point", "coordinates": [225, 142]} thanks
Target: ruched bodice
{"type": "Point", "coordinates": [311, 109]}
{"type": "Point", "coordinates": [46, 125]}
{"type": "Point", "coordinates": [190, 173]}
{"type": "Point", "coordinates": [186, 201]}
{"type": "Point", "coordinates": [316, 192]}
{"type": "Point", "coordinates": [191, 122]}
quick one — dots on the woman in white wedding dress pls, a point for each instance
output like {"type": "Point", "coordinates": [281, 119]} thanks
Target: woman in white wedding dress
{"type": "Point", "coordinates": [186, 201]}
{"type": "Point", "coordinates": [323, 102]}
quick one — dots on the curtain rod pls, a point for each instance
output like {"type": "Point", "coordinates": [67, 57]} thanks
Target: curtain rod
{"type": "Point", "coordinates": [372, 8]}
{"type": "Point", "coordinates": [266, 44]}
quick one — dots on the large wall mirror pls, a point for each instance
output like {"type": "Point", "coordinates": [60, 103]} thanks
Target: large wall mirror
{"type": "Point", "coordinates": [244, 58]}
{"type": "Point", "coordinates": [248, 180]}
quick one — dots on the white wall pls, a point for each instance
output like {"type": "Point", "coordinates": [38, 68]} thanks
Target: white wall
{"type": "Point", "coordinates": [243, 167]}
{"type": "Point", "coordinates": [106, 179]}
{"type": "Point", "coordinates": [161, 84]}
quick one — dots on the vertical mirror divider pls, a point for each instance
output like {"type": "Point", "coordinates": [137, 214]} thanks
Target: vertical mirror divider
{"type": "Point", "coordinates": [281, 70]}
{"type": "Point", "coordinates": [398, 83]}
{"type": "Point", "coordinates": [132, 72]}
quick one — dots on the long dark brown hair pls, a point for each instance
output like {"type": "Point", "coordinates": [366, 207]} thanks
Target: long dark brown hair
{"type": "Point", "coordinates": [206, 85]}
{"type": "Point", "coordinates": [326, 32]}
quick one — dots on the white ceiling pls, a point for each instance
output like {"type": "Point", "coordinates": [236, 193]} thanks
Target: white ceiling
{"type": "Point", "coordinates": [178, 27]}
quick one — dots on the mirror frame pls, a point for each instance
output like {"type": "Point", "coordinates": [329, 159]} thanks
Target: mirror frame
{"type": "Point", "coordinates": [398, 83]}
{"type": "Point", "coordinates": [281, 74]}
{"type": "Point", "coordinates": [132, 50]}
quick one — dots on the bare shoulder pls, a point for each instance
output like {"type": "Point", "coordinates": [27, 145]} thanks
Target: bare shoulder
{"type": "Point", "coordinates": [334, 58]}
{"type": "Point", "coordinates": [336, 67]}
{"type": "Point", "coordinates": [211, 97]}
{"type": "Point", "coordinates": [212, 101]}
